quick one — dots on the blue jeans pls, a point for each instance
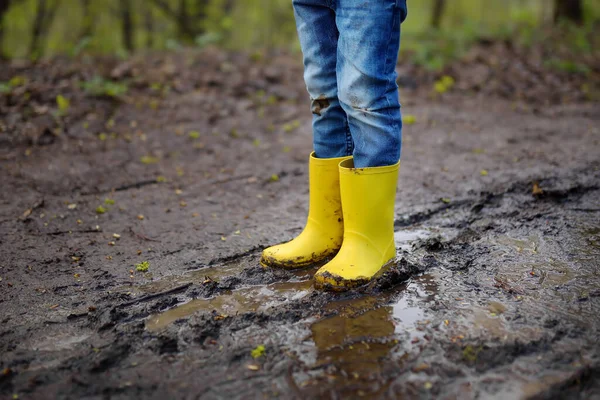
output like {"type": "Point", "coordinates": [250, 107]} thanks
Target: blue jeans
{"type": "Point", "coordinates": [350, 50]}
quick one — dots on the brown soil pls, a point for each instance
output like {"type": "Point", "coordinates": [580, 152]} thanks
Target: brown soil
{"type": "Point", "coordinates": [203, 163]}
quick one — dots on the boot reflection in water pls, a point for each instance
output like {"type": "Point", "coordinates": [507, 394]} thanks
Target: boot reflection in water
{"type": "Point", "coordinates": [350, 49]}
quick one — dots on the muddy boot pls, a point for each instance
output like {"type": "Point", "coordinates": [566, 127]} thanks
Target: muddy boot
{"type": "Point", "coordinates": [368, 196]}
{"type": "Point", "coordinates": [322, 236]}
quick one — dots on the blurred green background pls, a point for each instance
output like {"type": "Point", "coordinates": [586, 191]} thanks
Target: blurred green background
{"type": "Point", "coordinates": [434, 31]}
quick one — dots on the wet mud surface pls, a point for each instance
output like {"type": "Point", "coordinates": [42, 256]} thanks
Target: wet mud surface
{"type": "Point", "coordinates": [495, 292]}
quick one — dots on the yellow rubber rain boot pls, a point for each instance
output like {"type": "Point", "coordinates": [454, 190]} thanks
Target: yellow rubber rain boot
{"type": "Point", "coordinates": [322, 235]}
{"type": "Point", "coordinates": [368, 196]}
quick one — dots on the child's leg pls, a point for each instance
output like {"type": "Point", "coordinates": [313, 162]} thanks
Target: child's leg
{"type": "Point", "coordinates": [368, 45]}
{"type": "Point", "coordinates": [322, 236]}
{"type": "Point", "coordinates": [318, 35]}
{"type": "Point", "coordinates": [367, 52]}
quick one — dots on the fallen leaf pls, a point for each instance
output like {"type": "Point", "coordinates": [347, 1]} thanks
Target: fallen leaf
{"type": "Point", "coordinates": [537, 190]}
{"type": "Point", "coordinates": [421, 367]}
{"type": "Point", "coordinates": [63, 104]}
{"type": "Point", "coordinates": [409, 119]}
{"type": "Point", "coordinates": [483, 172]}
{"type": "Point", "coordinates": [100, 210]}
{"type": "Point", "coordinates": [72, 206]}
{"type": "Point", "coordinates": [439, 87]}
{"type": "Point", "coordinates": [253, 367]}
{"type": "Point", "coordinates": [39, 203]}
{"type": "Point", "coordinates": [148, 160]}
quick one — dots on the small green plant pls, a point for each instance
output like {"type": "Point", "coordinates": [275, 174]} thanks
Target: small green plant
{"type": "Point", "coordinates": [15, 81]}
{"type": "Point", "coordinates": [63, 105]}
{"type": "Point", "coordinates": [143, 266]}
{"type": "Point", "coordinates": [259, 351]}
{"type": "Point", "coordinates": [98, 86]}
{"type": "Point", "coordinates": [207, 39]}
{"type": "Point", "coordinates": [571, 67]}
{"type": "Point", "coordinates": [81, 46]}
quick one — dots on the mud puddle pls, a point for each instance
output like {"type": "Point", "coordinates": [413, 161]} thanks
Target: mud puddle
{"type": "Point", "coordinates": [248, 299]}
{"type": "Point", "coordinates": [353, 347]}
{"type": "Point", "coordinates": [256, 298]}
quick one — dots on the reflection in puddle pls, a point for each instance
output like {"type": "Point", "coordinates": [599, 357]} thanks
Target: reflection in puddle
{"type": "Point", "coordinates": [363, 334]}
{"type": "Point", "coordinates": [250, 299]}
{"type": "Point", "coordinates": [354, 346]}
{"type": "Point", "coordinates": [354, 343]}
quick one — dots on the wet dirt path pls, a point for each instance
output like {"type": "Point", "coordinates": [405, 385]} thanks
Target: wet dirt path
{"type": "Point", "coordinates": [495, 293]}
